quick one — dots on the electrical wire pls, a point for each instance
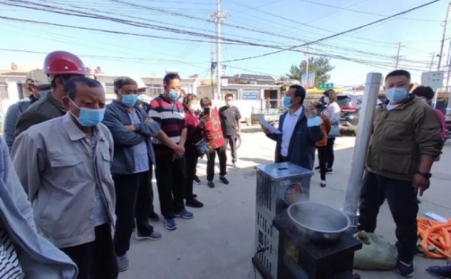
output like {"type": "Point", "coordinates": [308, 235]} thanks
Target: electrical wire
{"type": "Point", "coordinates": [337, 34]}
{"type": "Point", "coordinates": [253, 44]}
{"type": "Point", "coordinates": [363, 12]}
{"type": "Point", "coordinates": [114, 58]}
{"type": "Point", "coordinates": [181, 31]}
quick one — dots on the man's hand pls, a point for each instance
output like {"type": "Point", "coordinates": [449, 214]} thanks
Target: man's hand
{"type": "Point", "coordinates": [420, 183]}
{"type": "Point", "coordinates": [266, 131]}
{"type": "Point", "coordinates": [311, 112]}
{"type": "Point", "coordinates": [176, 156]}
{"type": "Point", "coordinates": [179, 150]}
{"type": "Point", "coordinates": [148, 120]}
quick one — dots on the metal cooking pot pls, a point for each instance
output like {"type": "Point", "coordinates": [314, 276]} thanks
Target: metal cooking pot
{"type": "Point", "coordinates": [320, 223]}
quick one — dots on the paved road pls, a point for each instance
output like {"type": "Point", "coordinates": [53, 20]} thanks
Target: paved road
{"type": "Point", "coordinates": [219, 242]}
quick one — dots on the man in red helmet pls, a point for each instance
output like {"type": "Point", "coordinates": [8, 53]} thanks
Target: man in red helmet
{"type": "Point", "coordinates": [60, 66]}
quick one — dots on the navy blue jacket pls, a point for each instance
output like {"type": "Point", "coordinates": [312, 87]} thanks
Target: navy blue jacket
{"type": "Point", "coordinates": [116, 118]}
{"type": "Point", "coordinates": [301, 150]}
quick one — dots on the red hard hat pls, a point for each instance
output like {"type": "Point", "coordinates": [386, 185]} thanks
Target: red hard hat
{"type": "Point", "coordinates": [63, 63]}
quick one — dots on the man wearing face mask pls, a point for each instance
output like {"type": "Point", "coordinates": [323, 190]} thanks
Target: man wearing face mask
{"type": "Point", "coordinates": [132, 131]}
{"type": "Point", "coordinates": [231, 127]}
{"type": "Point", "coordinates": [38, 85]}
{"type": "Point", "coordinates": [405, 142]}
{"type": "Point", "coordinates": [170, 162]}
{"type": "Point", "coordinates": [300, 129]}
{"type": "Point", "coordinates": [59, 66]}
{"type": "Point", "coordinates": [426, 94]}
{"type": "Point", "coordinates": [64, 166]}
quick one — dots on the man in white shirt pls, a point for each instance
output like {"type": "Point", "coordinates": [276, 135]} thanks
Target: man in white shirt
{"type": "Point", "coordinates": [299, 130]}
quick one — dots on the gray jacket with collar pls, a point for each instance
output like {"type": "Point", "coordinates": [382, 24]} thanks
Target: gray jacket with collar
{"type": "Point", "coordinates": [37, 256]}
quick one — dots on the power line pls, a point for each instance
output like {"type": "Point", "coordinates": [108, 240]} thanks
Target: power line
{"type": "Point", "coordinates": [179, 31]}
{"type": "Point", "coordinates": [291, 20]}
{"type": "Point", "coordinates": [337, 34]}
{"type": "Point", "coordinates": [102, 57]}
{"type": "Point", "coordinates": [361, 12]}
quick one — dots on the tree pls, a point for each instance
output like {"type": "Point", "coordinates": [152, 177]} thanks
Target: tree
{"type": "Point", "coordinates": [319, 65]}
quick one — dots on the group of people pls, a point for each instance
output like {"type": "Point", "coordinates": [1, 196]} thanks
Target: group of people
{"type": "Point", "coordinates": [407, 138]}
{"type": "Point", "coordinates": [68, 149]}
{"type": "Point", "coordinates": [71, 150]}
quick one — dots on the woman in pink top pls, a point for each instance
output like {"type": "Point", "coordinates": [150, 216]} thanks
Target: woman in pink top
{"type": "Point", "coordinates": [426, 94]}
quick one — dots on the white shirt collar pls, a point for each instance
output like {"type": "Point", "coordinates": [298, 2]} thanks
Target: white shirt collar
{"type": "Point", "coordinates": [298, 112]}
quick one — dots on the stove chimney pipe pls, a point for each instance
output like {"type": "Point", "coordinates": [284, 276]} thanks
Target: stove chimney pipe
{"type": "Point", "coordinates": [364, 131]}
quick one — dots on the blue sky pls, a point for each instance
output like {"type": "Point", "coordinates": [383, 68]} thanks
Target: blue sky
{"type": "Point", "coordinates": [272, 22]}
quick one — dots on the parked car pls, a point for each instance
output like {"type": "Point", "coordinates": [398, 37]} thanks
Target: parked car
{"type": "Point", "coordinates": [350, 107]}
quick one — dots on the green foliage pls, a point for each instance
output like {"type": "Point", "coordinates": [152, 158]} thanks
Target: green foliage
{"type": "Point", "coordinates": [319, 65]}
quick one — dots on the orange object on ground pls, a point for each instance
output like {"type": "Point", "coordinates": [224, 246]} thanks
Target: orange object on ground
{"type": "Point", "coordinates": [435, 238]}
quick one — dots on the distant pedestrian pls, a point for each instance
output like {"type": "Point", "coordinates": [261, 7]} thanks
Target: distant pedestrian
{"type": "Point", "coordinates": [321, 146]}
{"type": "Point", "coordinates": [215, 142]}
{"type": "Point", "coordinates": [64, 166]}
{"type": "Point", "coordinates": [426, 94]}
{"type": "Point", "coordinates": [333, 112]}
{"type": "Point", "coordinates": [38, 85]}
{"type": "Point", "coordinates": [170, 157]}
{"type": "Point", "coordinates": [300, 129]}
{"type": "Point", "coordinates": [231, 126]}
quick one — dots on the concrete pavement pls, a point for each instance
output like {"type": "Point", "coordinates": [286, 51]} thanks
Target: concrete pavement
{"type": "Point", "coordinates": [219, 242]}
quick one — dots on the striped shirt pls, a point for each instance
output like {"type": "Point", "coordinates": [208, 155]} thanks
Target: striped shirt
{"type": "Point", "coordinates": [171, 117]}
{"type": "Point", "coordinates": [9, 263]}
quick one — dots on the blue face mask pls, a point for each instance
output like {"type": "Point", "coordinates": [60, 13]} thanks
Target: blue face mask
{"type": "Point", "coordinates": [174, 95]}
{"type": "Point", "coordinates": [43, 93]}
{"type": "Point", "coordinates": [396, 95]}
{"type": "Point", "coordinates": [287, 102]}
{"type": "Point", "coordinates": [129, 100]}
{"type": "Point", "coordinates": [89, 117]}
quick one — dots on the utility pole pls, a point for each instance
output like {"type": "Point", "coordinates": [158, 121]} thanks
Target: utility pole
{"type": "Point", "coordinates": [449, 66]}
{"type": "Point", "coordinates": [443, 37]}
{"type": "Point", "coordinates": [212, 71]}
{"type": "Point", "coordinates": [432, 62]}
{"type": "Point", "coordinates": [306, 70]}
{"type": "Point", "coordinates": [397, 56]}
{"type": "Point", "coordinates": [218, 16]}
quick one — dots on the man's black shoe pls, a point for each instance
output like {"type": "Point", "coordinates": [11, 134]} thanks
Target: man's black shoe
{"type": "Point", "coordinates": [194, 203]}
{"type": "Point", "coordinates": [224, 180]}
{"type": "Point", "coordinates": [406, 269]}
{"type": "Point", "coordinates": [154, 217]}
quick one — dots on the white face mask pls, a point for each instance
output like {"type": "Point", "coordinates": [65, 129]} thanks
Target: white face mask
{"type": "Point", "coordinates": [326, 100]}
{"type": "Point", "coordinates": [194, 107]}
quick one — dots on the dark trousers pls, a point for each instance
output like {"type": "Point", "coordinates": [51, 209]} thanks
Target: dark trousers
{"type": "Point", "coordinates": [322, 158]}
{"type": "Point", "coordinates": [97, 259]}
{"type": "Point", "coordinates": [330, 152]}
{"type": "Point", "coordinates": [231, 141]}
{"type": "Point", "coordinates": [402, 200]}
{"type": "Point", "coordinates": [171, 177]}
{"type": "Point", "coordinates": [211, 155]}
{"type": "Point", "coordinates": [132, 200]}
{"type": "Point", "coordinates": [191, 158]}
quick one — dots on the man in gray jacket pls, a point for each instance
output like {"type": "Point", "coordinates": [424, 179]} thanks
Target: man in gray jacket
{"type": "Point", "coordinates": [27, 253]}
{"type": "Point", "coordinates": [64, 165]}
{"type": "Point", "coordinates": [134, 156]}
{"type": "Point", "coordinates": [59, 66]}
{"type": "Point", "coordinates": [38, 85]}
